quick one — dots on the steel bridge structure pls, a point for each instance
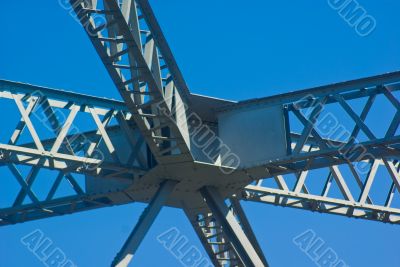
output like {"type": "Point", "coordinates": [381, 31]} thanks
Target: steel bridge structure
{"type": "Point", "coordinates": [316, 150]}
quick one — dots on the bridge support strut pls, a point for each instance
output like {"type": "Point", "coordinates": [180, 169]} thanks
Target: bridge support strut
{"type": "Point", "coordinates": [142, 227]}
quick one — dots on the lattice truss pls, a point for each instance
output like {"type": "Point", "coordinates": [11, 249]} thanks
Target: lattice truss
{"type": "Point", "coordinates": [55, 145]}
{"type": "Point", "coordinates": [143, 69]}
{"type": "Point", "coordinates": [211, 234]}
{"type": "Point", "coordinates": [214, 238]}
{"type": "Point", "coordinates": [346, 158]}
{"type": "Point", "coordinates": [68, 152]}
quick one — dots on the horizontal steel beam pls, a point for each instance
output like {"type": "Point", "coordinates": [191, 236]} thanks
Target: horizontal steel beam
{"type": "Point", "coordinates": [61, 206]}
{"type": "Point", "coordinates": [62, 95]}
{"type": "Point", "coordinates": [324, 136]}
{"type": "Point", "coordinates": [71, 151]}
{"type": "Point", "coordinates": [320, 204]}
{"type": "Point", "coordinates": [313, 191]}
{"type": "Point", "coordinates": [356, 86]}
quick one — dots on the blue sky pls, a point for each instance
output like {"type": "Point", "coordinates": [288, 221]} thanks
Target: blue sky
{"type": "Point", "coordinates": [228, 49]}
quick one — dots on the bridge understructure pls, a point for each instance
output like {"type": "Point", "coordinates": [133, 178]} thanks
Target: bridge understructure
{"type": "Point", "coordinates": [332, 149]}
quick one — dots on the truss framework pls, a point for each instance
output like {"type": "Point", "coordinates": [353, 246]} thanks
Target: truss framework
{"type": "Point", "coordinates": [325, 168]}
{"type": "Point", "coordinates": [331, 131]}
{"type": "Point", "coordinates": [225, 231]}
{"type": "Point", "coordinates": [140, 63]}
{"type": "Point", "coordinates": [354, 202]}
{"type": "Point", "coordinates": [298, 196]}
{"type": "Point", "coordinates": [69, 153]}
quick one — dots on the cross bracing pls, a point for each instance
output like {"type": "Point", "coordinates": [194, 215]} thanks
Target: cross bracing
{"type": "Point", "coordinates": [319, 149]}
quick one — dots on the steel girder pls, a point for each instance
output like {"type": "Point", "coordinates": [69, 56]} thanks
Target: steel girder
{"type": "Point", "coordinates": [156, 106]}
{"type": "Point", "coordinates": [139, 61]}
{"type": "Point", "coordinates": [79, 145]}
{"type": "Point", "coordinates": [224, 231]}
{"type": "Point", "coordinates": [331, 131]}
{"type": "Point", "coordinates": [145, 221]}
{"type": "Point", "coordinates": [263, 191]}
{"type": "Point", "coordinates": [326, 155]}
{"type": "Point", "coordinates": [357, 195]}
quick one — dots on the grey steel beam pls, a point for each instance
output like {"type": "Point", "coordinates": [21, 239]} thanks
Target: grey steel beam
{"type": "Point", "coordinates": [63, 95]}
{"type": "Point", "coordinates": [245, 224]}
{"type": "Point", "coordinates": [328, 154]}
{"type": "Point", "coordinates": [207, 229]}
{"type": "Point", "coordinates": [74, 149]}
{"type": "Point", "coordinates": [142, 227]}
{"type": "Point", "coordinates": [293, 163]}
{"type": "Point", "coordinates": [30, 155]}
{"type": "Point", "coordinates": [61, 206]}
{"type": "Point", "coordinates": [155, 109]}
{"type": "Point", "coordinates": [323, 158]}
{"type": "Point", "coordinates": [317, 203]}
{"type": "Point", "coordinates": [140, 74]}
{"type": "Point", "coordinates": [310, 150]}
{"type": "Point", "coordinates": [164, 48]}
{"type": "Point", "coordinates": [72, 152]}
{"type": "Point", "coordinates": [352, 89]}
{"type": "Point", "coordinates": [242, 245]}
{"type": "Point", "coordinates": [360, 205]}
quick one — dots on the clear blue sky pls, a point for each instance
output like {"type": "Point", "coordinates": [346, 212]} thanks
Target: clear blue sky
{"type": "Point", "coordinates": [228, 49]}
